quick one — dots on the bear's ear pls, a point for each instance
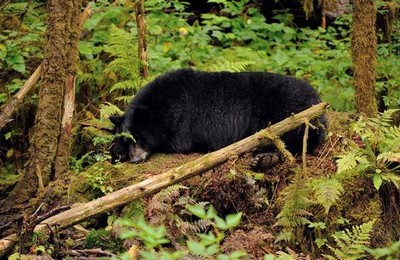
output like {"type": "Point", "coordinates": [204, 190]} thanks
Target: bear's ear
{"type": "Point", "coordinates": [116, 120]}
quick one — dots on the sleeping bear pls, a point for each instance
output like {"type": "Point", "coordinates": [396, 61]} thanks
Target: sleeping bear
{"type": "Point", "coordinates": [192, 111]}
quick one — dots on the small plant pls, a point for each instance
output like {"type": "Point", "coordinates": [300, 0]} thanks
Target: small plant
{"type": "Point", "coordinates": [204, 245]}
{"type": "Point", "coordinates": [352, 244]}
{"type": "Point", "coordinates": [391, 252]}
{"type": "Point", "coordinates": [124, 67]}
{"type": "Point", "coordinates": [96, 178]}
{"type": "Point", "coordinates": [103, 239]}
{"type": "Point", "coordinates": [379, 153]}
{"type": "Point", "coordinates": [295, 210]}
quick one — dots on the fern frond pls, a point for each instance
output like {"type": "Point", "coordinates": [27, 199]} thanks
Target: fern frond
{"type": "Point", "coordinates": [125, 65]}
{"type": "Point", "coordinates": [124, 85]}
{"type": "Point", "coordinates": [388, 157]}
{"type": "Point", "coordinates": [327, 192]}
{"type": "Point", "coordinates": [390, 252]}
{"type": "Point", "coordinates": [285, 235]}
{"type": "Point", "coordinates": [108, 109]}
{"type": "Point", "coordinates": [124, 99]}
{"type": "Point", "coordinates": [201, 225]}
{"type": "Point", "coordinates": [387, 115]}
{"type": "Point", "coordinates": [391, 139]}
{"type": "Point", "coordinates": [225, 65]}
{"type": "Point", "coordinates": [352, 244]}
{"type": "Point", "coordinates": [392, 132]}
{"type": "Point", "coordinates": [294, 212]}
{"type": "Point", "coordinates": [349, 160]}
{"type": "Point", "coordinates": [120, 43]}
{"type": "Point", "coordinates": [393, 178]}
{"type": "Point", "coordinates": [171, 191]}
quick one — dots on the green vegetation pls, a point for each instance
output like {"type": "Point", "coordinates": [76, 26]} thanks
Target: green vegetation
{"type": "Point", "coordinates": [339, 206]}
{"type": "Point", "coordinates": [204, 245]}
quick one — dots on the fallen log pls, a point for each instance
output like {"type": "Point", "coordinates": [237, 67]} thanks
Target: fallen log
{"type": "Point", "coordinates": [188, 170]}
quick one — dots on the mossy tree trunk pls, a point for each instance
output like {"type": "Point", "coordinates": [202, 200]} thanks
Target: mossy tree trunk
{"type": "Point", "coordinates": [364, 41]}
{"type": "Point", "coordinates": [142, 45]}
{"type": "Point", "coordinates": [49, 139]}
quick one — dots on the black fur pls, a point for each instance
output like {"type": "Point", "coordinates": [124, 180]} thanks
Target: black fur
{"type": "Point", "coordinates": [192, 111]}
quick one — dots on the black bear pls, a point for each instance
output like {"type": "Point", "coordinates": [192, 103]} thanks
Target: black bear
{"type": "Point", "coordinates": [193, 111]}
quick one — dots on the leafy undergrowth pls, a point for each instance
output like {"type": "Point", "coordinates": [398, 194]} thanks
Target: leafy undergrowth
{"type": "Point", "coordinates": [338, 207]}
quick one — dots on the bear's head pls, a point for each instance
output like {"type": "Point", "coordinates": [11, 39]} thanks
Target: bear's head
{"type": "Point", "coordinates": [125, 148]}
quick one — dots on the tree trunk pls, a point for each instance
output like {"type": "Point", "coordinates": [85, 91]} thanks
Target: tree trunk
{"type": "Point", "coordinates": [142, 45]}
{"type": "Point", "coordinates": [59, 64]}
{"type": "Point", "coordinates": [71, 65]}
{"type": "Point", "coordinates": [364, 41]}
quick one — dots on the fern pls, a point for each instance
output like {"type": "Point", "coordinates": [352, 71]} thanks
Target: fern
{"type": "Point", "coordinates": [393, 178]}
{"type": "Point", "coordinates": [390, 252]}
{"type": "Point", "coordinates": [121, 46]}
{"type": "Point", "coordinates": [199, 226]}
{"type": "Point", "coordinates": [380, 154]}
{"type": "Point", "coordinates": [327, 192]}
{"type": "Point", "coordinates": [352, 244]}
{"type": "Point", "coordinates": [108, 109]}
{"type": "Point", "coordinates": [391, 141]}
{"type": "Point", "coordinates": [171, 191]}
{"type": "Point", "coordinates": [294, 212]}
{"type": "Point", "coordinates": [352, 160]}
{"type": "Point", "coordinates": [225, 65]}
{"type": "Point", "coordinates": [379, 133]}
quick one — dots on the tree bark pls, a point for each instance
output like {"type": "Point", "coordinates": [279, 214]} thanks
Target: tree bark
{"type": "Point", "coordinates": [71, 47]}
{"type": "Point", "coordinates": [60, 58]}
{"type": "Point", "coordinates": [142, 45]}
{"type": "Point", "coordinates": [363, 46]}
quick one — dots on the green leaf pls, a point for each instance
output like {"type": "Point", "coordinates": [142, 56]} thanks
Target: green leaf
{"type": "Point", "coordinates": [320, 242]}
{"type": "Point", "coordinates": [20, 67]}
{"type": "Point", "coordinates": [15, 256]}
{"type": "Point", "coordinates": [86, 48]}
{"type": "Point", "coordinates": [392, 177]}
{"type": "Point", "coordinates": [223, 257]}
{"type": "Point", "coordinates": [3, 51]}
{"type": "Point", "coordinates": [317, 225]}
{"type": "Point", "coordinates": [197, 210]}
{"type": "Point", "coordinates": [125, 234]}
{"type": "Point", "coordinates": [377, 180]}
{"type": "Point", "coordinates": [208, 239]}
{"type": "Point", "coordinates": [233, 220]}
{"type": "Point", "coordinates": [211, 213]}
{"type": "Point", "coordinates": [211, 250]}
{"type": "Point", "coordinates": [196, 248]}
{"type": "Point", "coordinates": [379, 253]}
{"type": "Point", "coordinates": [126, 222]}
{"type": "Point", "coordinates": [220, 223]}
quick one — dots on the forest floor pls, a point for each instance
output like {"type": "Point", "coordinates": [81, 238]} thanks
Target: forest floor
{"type": "Point", "coordinates": [230, 188]}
